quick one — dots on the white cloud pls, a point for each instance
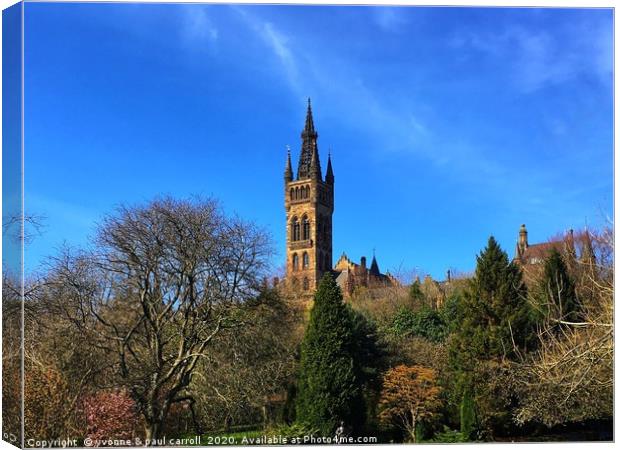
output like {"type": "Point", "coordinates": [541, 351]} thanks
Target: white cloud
{"type": "Point", "coordinates": [389, 19]}
{"type": "Point", "coordinates": [197, 27]}
{"type": "Point", "coordinates": [536, 58]}
{"type": "Point", "coordinates": [279, 45]}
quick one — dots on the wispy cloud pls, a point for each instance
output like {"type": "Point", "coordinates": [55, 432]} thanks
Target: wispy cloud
{"type": "Point", "coordinates": [197, 27]}
{"type": "Point", "coordinates": [352, 100]}
{"type": "Point", "coordinates": [403, 123]}
{"type": "Point", "coordinates": [389, 19]}
{"type": "Point", "coordinates": [278, 43]}
{"type": "Point", "coordinates": [534, 58]}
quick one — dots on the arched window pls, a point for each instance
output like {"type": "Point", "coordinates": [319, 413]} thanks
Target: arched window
{"type": "Point", "coordinates": [306, 284]}
{"type": "Point", "coordinates": [296, 192]}
{"type": "Point", "coordinates": [295, 229]}
{"type": "Point", "coordinates": [292, 193]}
{"type": "Point", "coordinates": [306, 229]}
{"type": "Point", "coordinates": [295, 262]}
{"type": "Point", "coordinates": [307, 191]}
{"type": "Point", "coordinates": [306, 260]}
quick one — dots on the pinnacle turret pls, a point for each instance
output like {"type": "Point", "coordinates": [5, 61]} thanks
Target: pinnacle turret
{"type": "Point", "coordinates": [315, 165]}
{"type": "Point", "coordinates": [288, 171]}
{"type": "Point", "coordinates": [329, 175]}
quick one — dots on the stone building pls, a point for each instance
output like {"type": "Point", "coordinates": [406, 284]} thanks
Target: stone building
{"type": "Point", "coordinates": [309, 205]}
{"type": "Point", "coordinates": [527, 254]}
{"type": "Point", "coordinates": [350, 275]}
{"type": "Point", "coordinates": [575, 247]}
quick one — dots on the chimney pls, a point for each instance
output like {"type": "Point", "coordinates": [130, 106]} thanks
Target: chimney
{"type": "Point", "coordinates": [363, 262]}
{"type": "Point", "coordinates": [448, 276]}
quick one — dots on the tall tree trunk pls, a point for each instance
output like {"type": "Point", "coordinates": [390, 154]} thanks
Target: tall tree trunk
{"type": "Point", "coordinates": [151, 432]}
{"type": "Point", "coordinates": [413, 425]}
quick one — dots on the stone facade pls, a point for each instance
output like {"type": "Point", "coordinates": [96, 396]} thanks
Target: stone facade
{"type": "Point", "coordinates": [309, 205]}
{"type": "Point", "coordinates": [575, 247]}
{"type": "Point", "coordinates": [527, 254]}
{"type": "Point", "coordinates": [350, 275]}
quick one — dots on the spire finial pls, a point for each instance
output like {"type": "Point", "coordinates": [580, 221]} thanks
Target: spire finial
{"type": "Point", "coordinates": [308, 148]}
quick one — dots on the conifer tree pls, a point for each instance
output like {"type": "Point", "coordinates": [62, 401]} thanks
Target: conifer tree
{"type": "Point", "coordinates": [496, 315]}
{"type": "Point", "coordinates": [558, 290]}
{"type": "Point", "coordinates": [496, 325]}
{"type": "Point", "coordinates": [468, 415]}
{"type": "Point", "coordinates": [416, 295]}
{"type": "Point", "coordinates": [329, 389]}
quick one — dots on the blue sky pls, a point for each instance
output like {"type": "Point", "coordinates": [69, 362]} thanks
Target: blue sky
{"type": "Point", "coordinates": [446, 125]}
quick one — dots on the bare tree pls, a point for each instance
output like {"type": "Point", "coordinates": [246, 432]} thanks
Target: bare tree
{"type": "Point", "coordinates": [249, 369]}
{"type": "Point", "coordinates": [162, 281]}
{"type": "Point", "coordinates": [570, 377]}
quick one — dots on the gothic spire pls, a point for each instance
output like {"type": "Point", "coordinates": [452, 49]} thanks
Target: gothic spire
{"type": "Point", "coordinates": [329, 175]}
{"type": "Point", "coordinates": [315, 164]}
{"type": "Point", "coordinates": [288, 172]}
{"type": "Point", "coordinates": [308, 146]}
{"type": "Point", "coordinates": [309, 128]}
{"type": "Point", "coordinates": [374, 267]}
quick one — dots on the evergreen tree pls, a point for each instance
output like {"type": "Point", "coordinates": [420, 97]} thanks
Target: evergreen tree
{"type": "Point", "coordinates": [468, 415]}
{"type": "Point", "coordinates": [329, 385]}
{"type": "Point", "coordinates": [425, 322]}
{"type": "Point", "coordinates": [495, 314]}
{"type": "Point", "coordinates": [416, 295]}
{"type": "Point", "coordinates": [557, 289]}
{"type": "Point", "coordinates": [495, 325]}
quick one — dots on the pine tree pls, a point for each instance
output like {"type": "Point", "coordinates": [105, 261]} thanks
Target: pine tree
{"type": "Point", "coordinates": [416, 295]}
{"type": "Point", "coordinates": [468, 415]}
{"type": "Point", "coordinates": [329, 387]}
{"type": "Point", "coordinates": [495, 312]}
{"type": "Point", "coordinates": [558, 290]}
{"type": "Point", "coordinates": [495, 325]}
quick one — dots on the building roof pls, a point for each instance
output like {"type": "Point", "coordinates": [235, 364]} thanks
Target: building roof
{"type": "Point", "coordinates": [374, 267]}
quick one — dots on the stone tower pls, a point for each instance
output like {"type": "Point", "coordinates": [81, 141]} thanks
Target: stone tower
{"type": "Point", "coordinates": [309, 204]}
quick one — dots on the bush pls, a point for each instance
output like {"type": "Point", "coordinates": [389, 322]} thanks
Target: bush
{"type": "Point", "coordinates": [427, 323]}
{"type": "Point", "coordinates": [448, 436]}
{"type": "Point", "coordinates": [111, 415]}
